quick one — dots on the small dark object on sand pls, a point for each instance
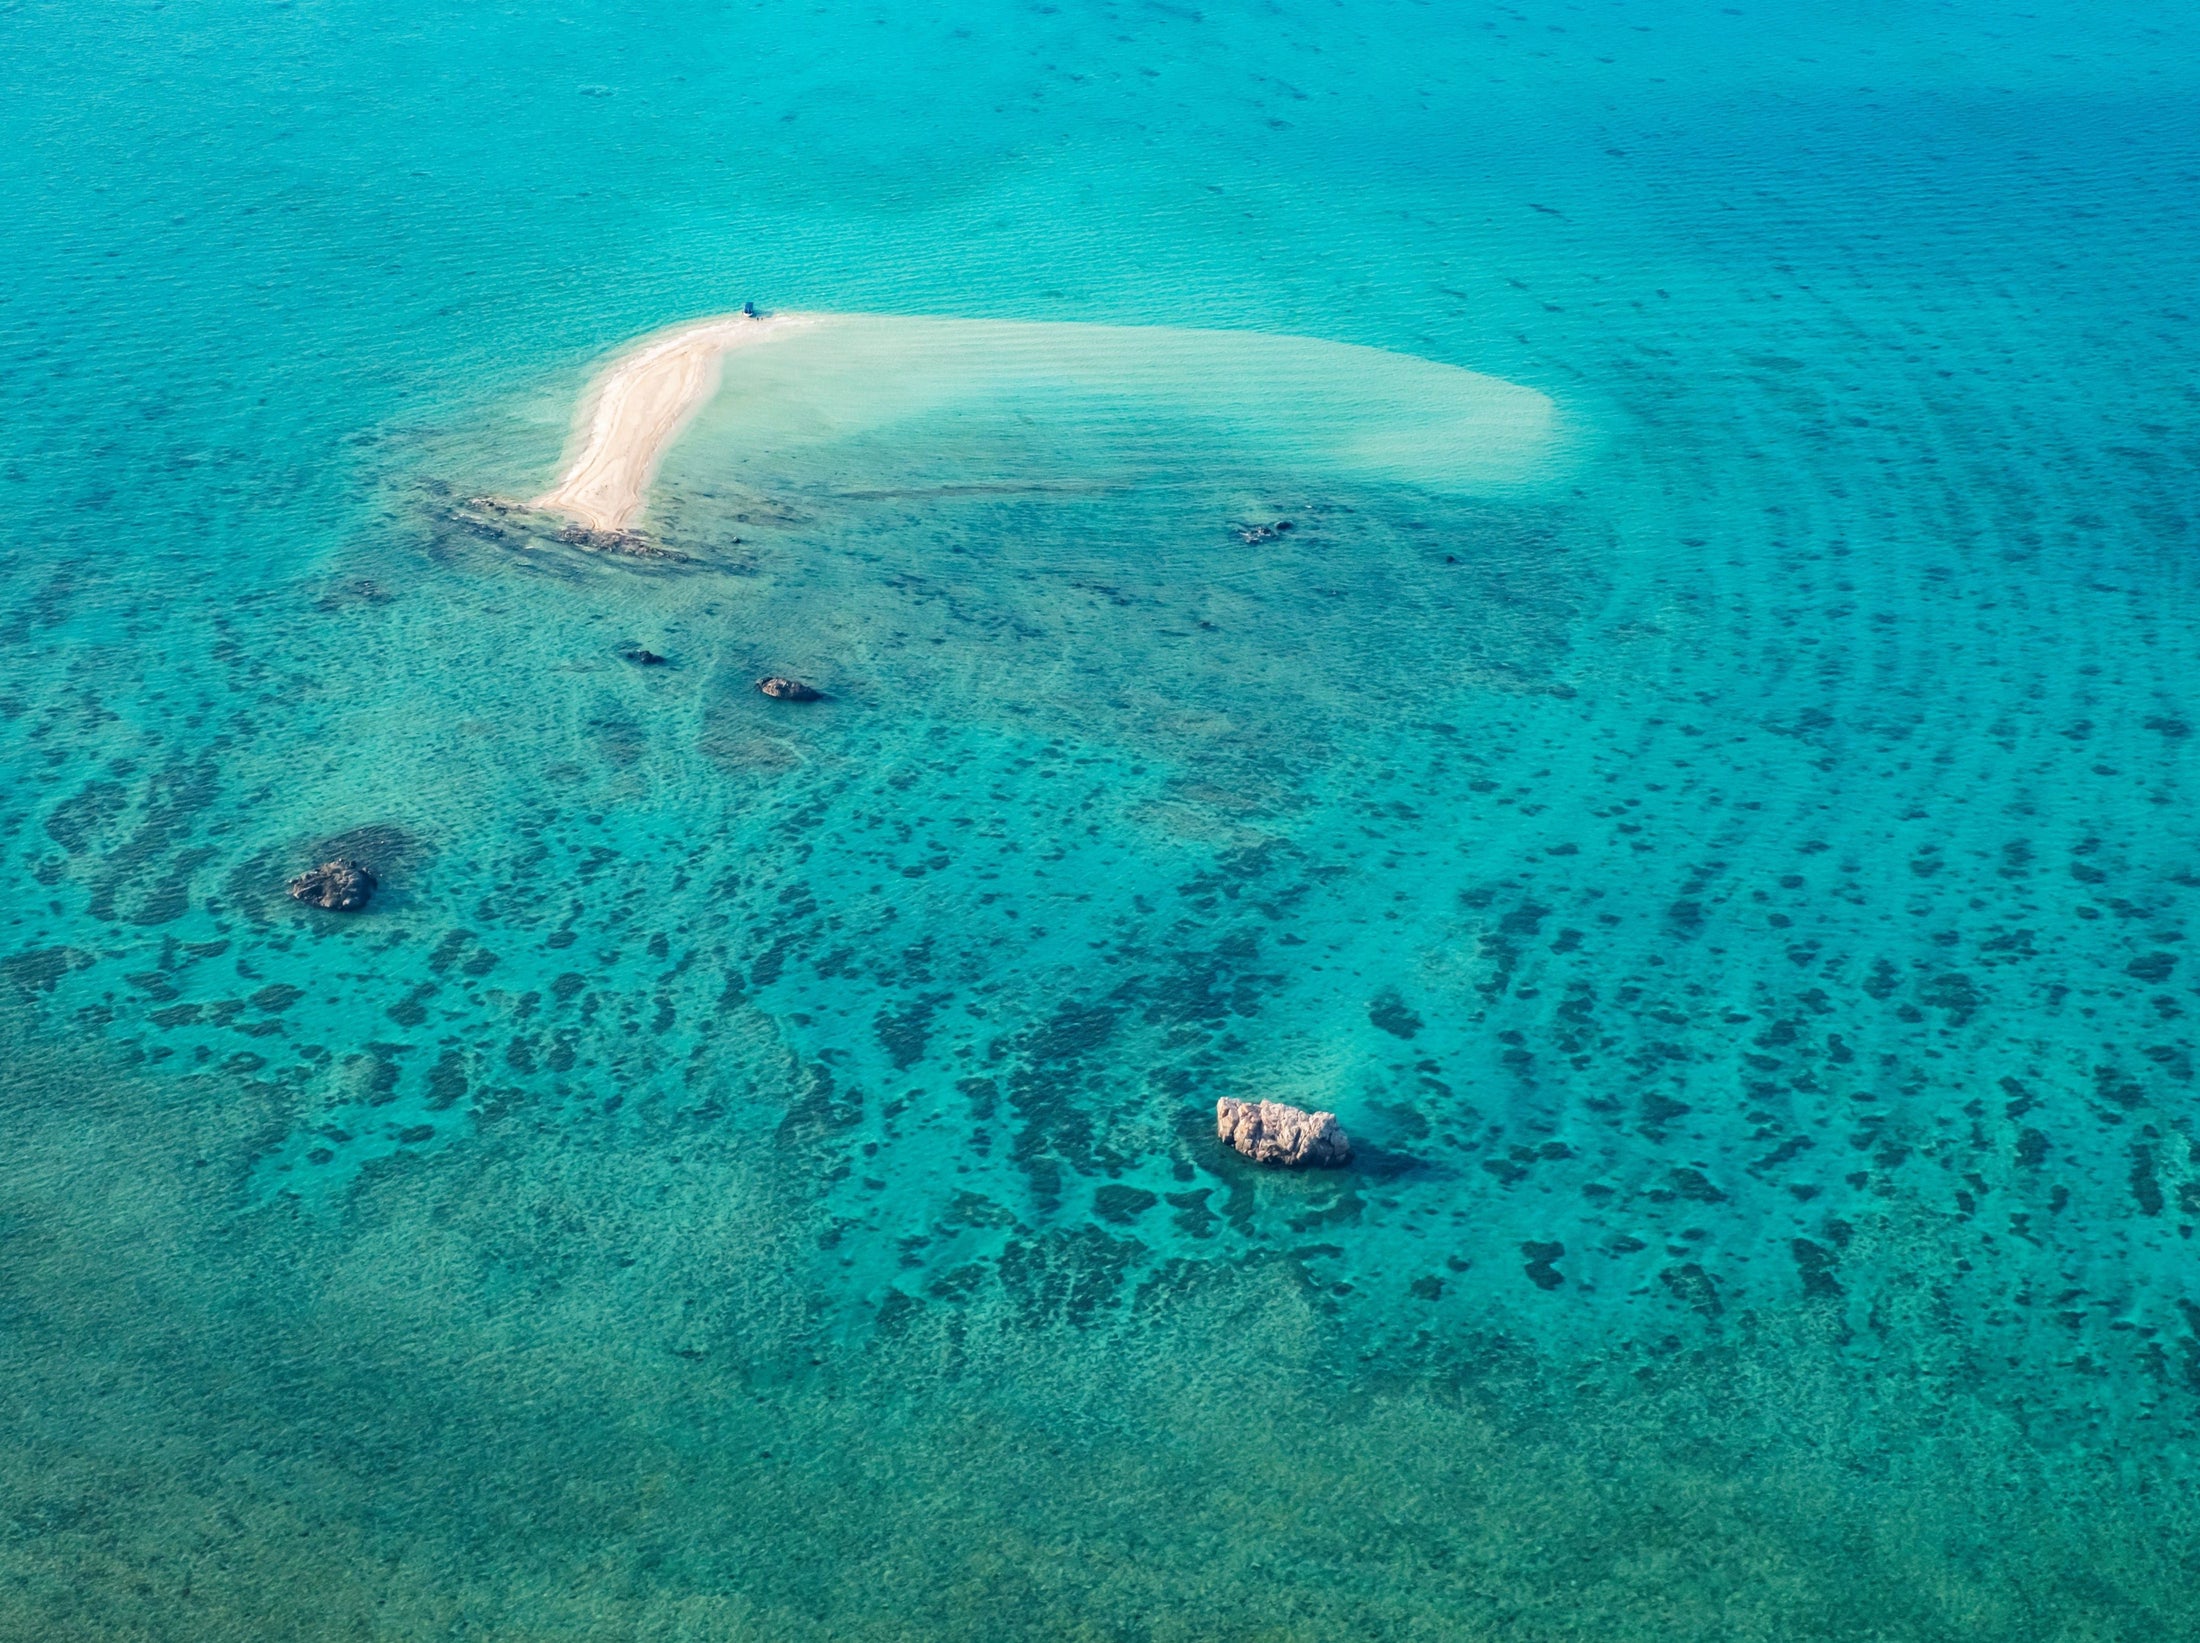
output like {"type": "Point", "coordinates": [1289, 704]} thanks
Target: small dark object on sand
{"type": "Point", "coordinates": [341, 886]}
{"type": "Point", "coordinates": [786, 690]}
{"type": "Point", "coordinates": [643, 658]}
{"type": "Point", "coordinates": [1269, 1132]}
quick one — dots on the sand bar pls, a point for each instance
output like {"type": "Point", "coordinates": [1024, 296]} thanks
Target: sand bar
{"type": "Point", "coordinates": [636, 408]}
{"type": "Point", "coordinates": [1303, 401]}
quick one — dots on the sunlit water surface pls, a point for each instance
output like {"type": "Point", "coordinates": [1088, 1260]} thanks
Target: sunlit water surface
{"type": "Point", "coordinates": [1722, 843]}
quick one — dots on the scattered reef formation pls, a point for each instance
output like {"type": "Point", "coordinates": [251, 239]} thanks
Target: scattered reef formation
{"type": "Point", "coordinates": [340, 885]}
{"type": "Point", "coordinates": [631, 543]}
{"type": "Point", "coordinates": [522, 525]}
{"type": "Point", "coordinates": [1269, 1132]}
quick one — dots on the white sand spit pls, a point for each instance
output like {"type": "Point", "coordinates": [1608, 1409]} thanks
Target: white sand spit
{"type": "Point", "coordinates": [635, 410]}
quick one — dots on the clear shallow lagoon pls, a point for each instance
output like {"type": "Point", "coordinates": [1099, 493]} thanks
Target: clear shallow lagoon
{"type": "Point", "coordinates": [751, 1174]}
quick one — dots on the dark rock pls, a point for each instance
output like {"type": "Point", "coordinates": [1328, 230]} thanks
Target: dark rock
{"type": "Point", "coordinates": [341, 886]}
{"type": "Point", "coordinates": [643, 658]}
{"type": "Point", "coordinates": [1268, 1132]}
{"type": "Point", "coordinates": [786, 690]}
{"type": "Point", "coordinates": [1250, 534]}
{"type": "Point", "coordinates": [632, 544]}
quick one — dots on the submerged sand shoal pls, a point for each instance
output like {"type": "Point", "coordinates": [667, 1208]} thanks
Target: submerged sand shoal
{"type": "Point", "coordinates": [1334, 405]}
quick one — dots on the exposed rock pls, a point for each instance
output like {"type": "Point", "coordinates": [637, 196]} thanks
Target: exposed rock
{"type": "Point", "coordinates": [643, 658]}
{"type": "Point", "coordinates": [523, 525]}
{"type": "Point", "coordinates": [633, 544]}
{"type": "Point", "coordinates": [786, 690]}
{"type": "Point", "coordinates": [341, 886]}
{"type": "Point", "coordinates": [1268, 1132]}
{"type": "Point", "coordinates": [1250, 534]}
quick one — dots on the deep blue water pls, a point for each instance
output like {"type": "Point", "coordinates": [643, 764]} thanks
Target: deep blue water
{"type": "Point", "coordinates": [751, 1173]}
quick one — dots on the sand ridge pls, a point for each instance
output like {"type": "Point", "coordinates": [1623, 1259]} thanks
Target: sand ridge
{"type": "Point", "coordinates": [637, 407]}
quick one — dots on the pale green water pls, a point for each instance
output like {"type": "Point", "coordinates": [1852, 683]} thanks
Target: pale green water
{"type": "Point", "coordinates": [751, 1174]}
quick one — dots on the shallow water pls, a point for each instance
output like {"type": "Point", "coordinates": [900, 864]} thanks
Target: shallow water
{"type": "Point", "coordinates": [751, 1173]}
{"type": "Point", "coordinates": [1086, 405]}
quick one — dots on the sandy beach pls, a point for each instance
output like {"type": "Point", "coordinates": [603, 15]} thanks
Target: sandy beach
{"type": "Point", "coordinates": [637, 407]}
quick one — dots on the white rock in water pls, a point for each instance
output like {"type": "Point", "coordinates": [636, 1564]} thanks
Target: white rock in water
{"type": "Point", "coordinates": [1268, 1132]}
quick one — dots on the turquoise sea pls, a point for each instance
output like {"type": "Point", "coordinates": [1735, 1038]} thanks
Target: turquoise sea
{"type": "Point", "coordinates": [751, 1173]}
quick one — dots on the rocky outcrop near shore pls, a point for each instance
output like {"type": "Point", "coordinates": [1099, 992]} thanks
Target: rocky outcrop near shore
{"type": "Point", "coordinates": [1268, 1132]}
